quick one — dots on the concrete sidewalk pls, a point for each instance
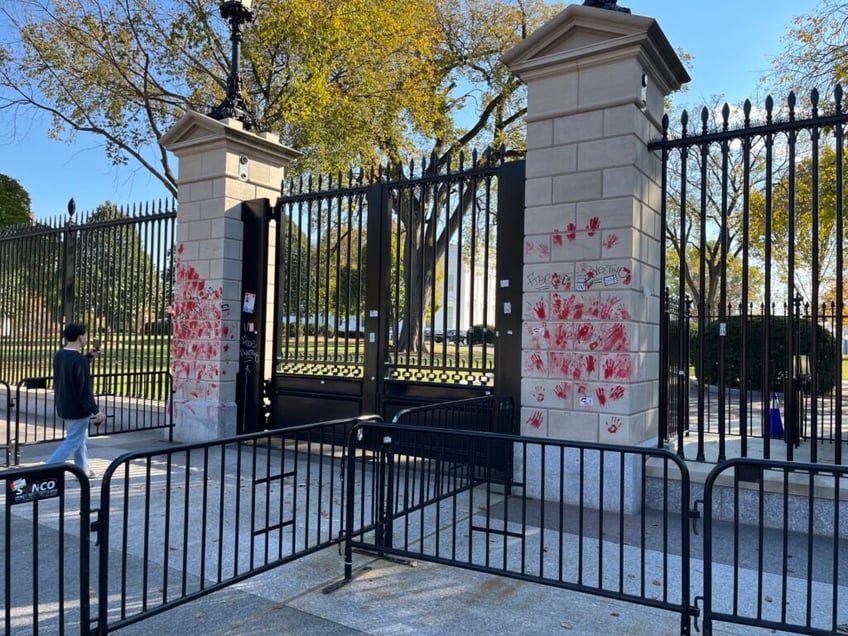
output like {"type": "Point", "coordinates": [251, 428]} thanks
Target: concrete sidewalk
{"type": "Point", "coordinates": [385, 597]}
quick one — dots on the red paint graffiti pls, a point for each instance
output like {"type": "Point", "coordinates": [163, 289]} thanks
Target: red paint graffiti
{"type": "Point", "coordinates": [571, 232]}
{"type": "Point", "coordinates": [562, 390]}
{"type": "Point", "coordinates": [539, 308]}
{"type": "Point", "coordinates": [614, 309]}
{"type": "Point", "coordinates": [535, 363]}
{"type": "Point", "coordinates": [593, 226]}
{"type": "Point", "coordinates": [618, 367]}
{"type": "Point", "coordinates": [611, 241]}
{"type": "Point", "coordinates": [536, 419]}
{"type": "Point", "coordinates": [556, 237]}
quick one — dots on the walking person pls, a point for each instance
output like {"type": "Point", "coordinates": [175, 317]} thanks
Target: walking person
{"type": "Point", "coordinates": [74, 398]}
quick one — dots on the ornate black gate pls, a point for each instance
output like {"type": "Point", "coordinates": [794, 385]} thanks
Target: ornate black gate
{"type": "Point", "coordinates": [394, 290]}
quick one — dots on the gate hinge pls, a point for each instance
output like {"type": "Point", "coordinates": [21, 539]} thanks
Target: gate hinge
{"type": "Point", "coordinates": [695, 514]}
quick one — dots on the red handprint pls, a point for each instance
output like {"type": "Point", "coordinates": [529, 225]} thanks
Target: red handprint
{"type": "Point", "coordinates": [556, 280]}
{"type": "Point", "coordinates": [585, 331]}
{"type": "Point", "coordinates": [528, 248]}
{"type": "Point", "coordinates": [544, 250]}
{"type": "Point", "coordinates": [613, 424]}
{"type": "Point", "coordinates": [561, 336]}
{"type": "Point", "coordinates": [556, 237]}
{"type": "Point", "coordinates": [571, 232]}
{"type": "Point", "coordinates": [557, 307]}
{"type": "Point", "coordinates": [536, 419]}
{"type": "Point", "coordinates": [590, 364]}
{"type": "Point", "coordinates": [561, 363]}
{"type": "Point", "coordinates": [540, 393]}
{"type": "Point", "coordinates": [627, 278]}
{"type": "Point", "coordinates": [601, 392]}
{"type": "Point", "coordinates": [535, 363]}
{"type": "Point", "coordinates": [562, 390]}
{"type": "Point", "coordinates": [539, 308]}
{"type": "Point", "coordinates": [609, 369]}
{"type": "Point", "coordinates": [617, 393]}
{"type": "Point", "coordinates": [614, 309]}
{"type": "Point", "coordinates": [578, 310]}
{"type": "Point", "coordinates": [593, 226]}
{"type": "Point", "coordinates": [611, 241]}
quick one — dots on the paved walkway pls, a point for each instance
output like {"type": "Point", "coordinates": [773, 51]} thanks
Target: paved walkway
{"type": "Point", "coordinates": [385, 597]}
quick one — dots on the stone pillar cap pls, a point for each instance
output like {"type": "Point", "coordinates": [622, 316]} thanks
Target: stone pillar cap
{"type": "Point", "coordinates": [194, 129]}
{"type": "Point", "coordinates": [581, 34]}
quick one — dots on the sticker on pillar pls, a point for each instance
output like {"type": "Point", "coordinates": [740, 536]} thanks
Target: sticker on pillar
{"type": "Point", "coordinates": [602, 274]}
{"type": "Point", "coordinates": [249, 305]}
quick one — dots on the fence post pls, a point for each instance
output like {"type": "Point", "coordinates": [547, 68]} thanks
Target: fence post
{"type": "Point", "coordinates": [220, 166]}
{"type": "Point", "coordinates": [69, 265]}
{"type": "Point", "coordinates": [596, 80]}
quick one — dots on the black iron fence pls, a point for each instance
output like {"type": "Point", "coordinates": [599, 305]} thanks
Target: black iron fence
{"type": "Point", "coordinates": [5, 416]}
{"type": "Point", "coordinates": [386, 285]}
{"type": "Point", "coordinates": [775, 546]}
{"type": "Point", "coordinates": [180, 522]}
{"type": "Point", "coordinates": [753, 217]}
{"type": "Point", "coordinates": [576, 515]}
{"type": "Point", "coordinates": [110, 269]}
{"type": "Point", "coordinates": [131, 401]}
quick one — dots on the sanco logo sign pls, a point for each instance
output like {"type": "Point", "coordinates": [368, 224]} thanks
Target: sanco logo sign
{"type": "Point", "coordinates": [34, 487]}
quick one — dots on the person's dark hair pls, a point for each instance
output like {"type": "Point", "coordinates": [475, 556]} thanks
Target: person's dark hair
{"type": "Point", "coordinates": [72, 331]}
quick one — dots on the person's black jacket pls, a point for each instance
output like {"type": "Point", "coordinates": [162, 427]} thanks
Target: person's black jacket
{"type": "Point", "coordinates": [73, 392]}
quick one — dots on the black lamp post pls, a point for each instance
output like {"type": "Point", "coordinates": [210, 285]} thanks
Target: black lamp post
{"type": "Point", "coordinates": [233, 107]}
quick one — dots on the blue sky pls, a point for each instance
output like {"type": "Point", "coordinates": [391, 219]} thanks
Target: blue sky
{"type": "Point", "coordinates": [732, 42]}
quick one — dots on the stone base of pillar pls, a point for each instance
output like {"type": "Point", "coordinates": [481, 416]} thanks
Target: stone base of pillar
{"type": "Point", "coordinates": [203, 420]}
{"type": "Point", "coordinates": [578, 480]}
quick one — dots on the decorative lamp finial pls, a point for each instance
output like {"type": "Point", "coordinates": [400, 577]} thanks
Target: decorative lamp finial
{"type": "Point", "coordinates": [609, 5]}
{"type": "Point", "coordinates": [237, 12]}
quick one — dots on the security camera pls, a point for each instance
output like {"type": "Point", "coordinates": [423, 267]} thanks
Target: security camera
{"type": "Point", "coordinates": [243, 167]}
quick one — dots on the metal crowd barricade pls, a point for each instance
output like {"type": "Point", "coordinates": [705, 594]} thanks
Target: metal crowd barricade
{"type": "Point", "coordinates": [6, 442]}
{"type": "Point", "coordinates": [192, 519]}
{"type": "Point", "coordinates": [46, 546]}
{"type": "Point", "coordinates": [577, 515]}
{"type": "Point", "coordinates": [133, 401]}
{"type": "Point", "coordinates": [775, 548]}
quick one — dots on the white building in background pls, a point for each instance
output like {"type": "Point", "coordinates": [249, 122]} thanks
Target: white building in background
{"type": "Point", "coordinates": [465, 297]}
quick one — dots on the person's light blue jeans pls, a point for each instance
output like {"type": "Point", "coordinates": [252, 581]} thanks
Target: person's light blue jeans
{"type": "Point", "coordinates": [76, 434]}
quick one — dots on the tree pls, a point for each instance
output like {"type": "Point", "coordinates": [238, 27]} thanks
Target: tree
{"type": "Point", "coordinates": [14, 203]}
{"type": "Point", "coordinates": [714, 176]}
{"type": "Point", "coordinates": [815, 53]}
{"type": "Point", "coordinates": [118, 287]}
{"type": "Point", "coordinates": [345, 81]}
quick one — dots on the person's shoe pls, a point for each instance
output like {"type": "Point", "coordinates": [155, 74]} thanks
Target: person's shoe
{"type": "Point", "coordinates": [91, 474]}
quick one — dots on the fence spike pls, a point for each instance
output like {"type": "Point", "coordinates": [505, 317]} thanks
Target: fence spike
{"type": "Point", "coordinates": [461, 160]}
{"type": "Point", "coordinates": [502, 153]}
{"type": "Point", "coordinates": [684, 123]}
{"type": "Point", "coordinates": [72, 208]}
{"type": "Point", "coordinates": [814, 98]}
{"type": "Point", "coordinates": [705, 117]}
{"type": "Point", "coordinates": [769, 108]}
{"type": "Point", "coordinates": [746, 108]}
{"type": "Point", "coordinates": [474, 158]}
{"type": "Point", "coordinates": [791, 101]}
{"type": "Point", "coordinates": [837, 93]}
{"type": "Point", "coordinates": [725, 116]}
{"type": "Point", "coordinates": [665, 127]}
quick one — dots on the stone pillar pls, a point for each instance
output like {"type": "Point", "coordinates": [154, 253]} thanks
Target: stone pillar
{"type": "Point", "coordinates": [596, 82]}
{"type": "Point", "coordinates": [220, 165]}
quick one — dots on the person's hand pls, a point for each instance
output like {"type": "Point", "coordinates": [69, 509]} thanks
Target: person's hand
{"type": "Point", "coordinates": [99, 418]}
